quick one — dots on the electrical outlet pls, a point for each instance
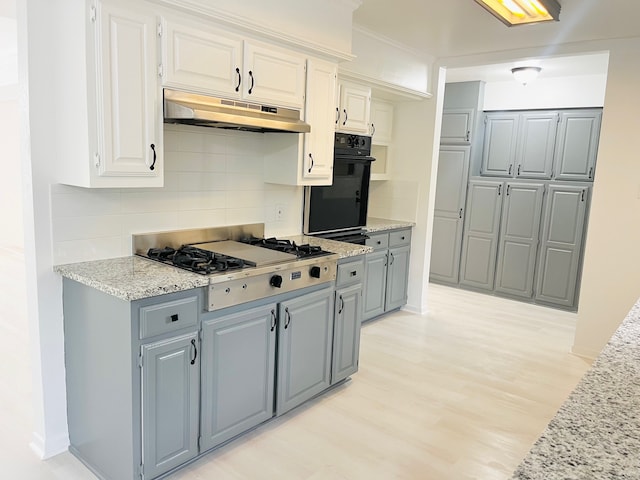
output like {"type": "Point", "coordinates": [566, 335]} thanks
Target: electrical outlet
{"type": "Point", "coordinates": [280, 211]}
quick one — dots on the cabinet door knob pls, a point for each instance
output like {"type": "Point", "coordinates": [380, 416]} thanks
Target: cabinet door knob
{"type": "Point", "coordinates": [174, 317]}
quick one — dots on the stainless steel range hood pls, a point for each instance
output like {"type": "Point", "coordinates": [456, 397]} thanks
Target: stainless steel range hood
{"type": "Point", "coordinates": [206, 111]}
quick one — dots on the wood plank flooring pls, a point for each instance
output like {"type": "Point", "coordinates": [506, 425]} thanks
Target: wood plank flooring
{"type": "Point", "coordinates": [460, 393]}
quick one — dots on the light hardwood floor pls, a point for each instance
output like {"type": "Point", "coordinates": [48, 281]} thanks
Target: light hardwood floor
{"type": "Point", "coordinates": [460, 393]}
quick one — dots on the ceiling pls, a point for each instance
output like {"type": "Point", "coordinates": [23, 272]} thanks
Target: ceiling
{"type": "Point", "coordinates": [454, 28]}
{"type": "Point", "coordinates": [451, 28]}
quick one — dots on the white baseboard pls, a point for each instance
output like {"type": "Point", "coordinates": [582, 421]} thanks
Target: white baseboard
{"type": "Point", "coordinates": [50, 448]}
{"type": "Point", "coordinates": [584, 352]}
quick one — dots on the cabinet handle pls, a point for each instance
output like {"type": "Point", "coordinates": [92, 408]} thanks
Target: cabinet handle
{"type": "Point", "coordinates": [311, 167]}
{"type": "Point", "coordinates": [153, 165]}
{"type": "Point", "coordinates": [273, 320]}
{"type": "Point", "coordinates": [337, 115]}
{"type": "Point", "coordinates": [386, 259]}
{"type": "Point", "coordinates": [392, 257]}
{"type": "Point", "coordinates": [345, 117]}
{"type": "Point", "coordinates": [459, 215]}
{"type": "Point", "coordinates": [582, 199]}
{"type": "Point", "coordinates": [508, 188]}
{"type": "Point", "coordinates": [468, 133]}
{"type": "Point", "coordinates": [287, 318]}
{"type": "Point", "coordinates": [499, 189]}
{"type": "Point", "coordinates": [373, 129]}
{"type": "Point", "coordinates": [590, 171]}
{"type": "Point", "coordinates": [174, 317]}
{"type": "Point", "coordinates": [341, 305]}
{"type": "Point", "coordinates": [510, 168]}
{"type": "Point", "coordinates": [195, 348]}
{"type": "Point", "coordinates": [239, 79]}
{"type": "Point", "coordinates": [518, 170]}
{"type": "Point", "coordinates": [252, 81]}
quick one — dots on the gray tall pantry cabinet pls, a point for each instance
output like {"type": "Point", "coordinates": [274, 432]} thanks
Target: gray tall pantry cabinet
{"type": "Point", "coordinates": [525, 204]}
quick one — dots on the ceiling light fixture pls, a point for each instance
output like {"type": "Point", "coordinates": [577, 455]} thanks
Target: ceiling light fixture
{"type": "Point", "coordinates": [525, 75]}
{"type": "Point", "coordinates": [521, 12]}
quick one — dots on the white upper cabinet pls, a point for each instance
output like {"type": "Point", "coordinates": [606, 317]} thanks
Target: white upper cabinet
{"type": "Point", "coordinates": [381, 122]}
{"type": "Point", "coordinates": [120, 111]}
{"type": "Point", "coordinates": [353, 112]}
{"type": "Point", "coordinates": [307, 159]}
{"type": "Point", "coordinates": [318, 144]}
{"type": "Point", "coordinates": [197, 57]}
{"type": "Point", "coordinates": [194, 58]}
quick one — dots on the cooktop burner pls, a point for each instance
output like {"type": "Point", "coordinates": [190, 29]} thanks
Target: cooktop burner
{"type": "Point", "coordinates": [287, 246]}
{"type": "Point", "coordinates": [195, 259]}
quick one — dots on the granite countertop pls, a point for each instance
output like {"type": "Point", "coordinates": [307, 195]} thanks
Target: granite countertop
{"type": "Point", "coordinates": [131, 278]}
{"type": "Point", "coordinates": [381, 224]}
{"type": "Point", "coordinates": [344, 250]}
{"type": "Point", "coordinates": [596, 433]}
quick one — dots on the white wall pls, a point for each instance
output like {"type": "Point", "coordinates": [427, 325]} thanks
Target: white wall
{"type": "Point", "coordinates": [559, 92]}
{"type": "Point", "coordinates": [213, 177]}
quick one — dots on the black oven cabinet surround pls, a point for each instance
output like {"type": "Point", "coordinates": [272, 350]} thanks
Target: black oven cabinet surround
{"type": "Point", "coordinates": [156, 382]}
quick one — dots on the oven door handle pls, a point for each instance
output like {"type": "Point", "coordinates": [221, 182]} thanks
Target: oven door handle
{"type": "Point", "coordinates": [353, 158]}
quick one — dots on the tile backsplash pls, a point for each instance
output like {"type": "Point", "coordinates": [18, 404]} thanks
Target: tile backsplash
{"type": "Point", "coordinates": [212, 178]}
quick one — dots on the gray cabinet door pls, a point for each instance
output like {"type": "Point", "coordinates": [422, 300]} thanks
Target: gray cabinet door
{"type": "Point", "coordinates": [457, 124]}
{"type": "Point", "coordinates": [170, 405]}
{"type": "Point", "coordinates": [397, 277]}
{"type": "Point", "coordinates": [535, 146]}
{"type": "Point", "coordinates": [305, 334]}
{"type": "Point", "coordinates": [560, 249]}
{"type": "Point", "coordinates": [518, 243]}
{"type": "Point", "coordinates": [346, 332]}
{"type": "Point", "coordinates": [451, 190]}
{"type": "Point", "coordinates": [238, 373]}
{"type": "Point", "coordinates": [375, 284]}
{"type": "Point", "coordinates": [577, 145]}
{"type": "Point", "coordinates": [499, 151]}
{"type": "Point", "coordinates": [480, 240]}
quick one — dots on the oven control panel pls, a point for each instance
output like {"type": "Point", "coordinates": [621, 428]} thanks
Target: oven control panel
{"type": "Point", "coordinates": [241, 290]}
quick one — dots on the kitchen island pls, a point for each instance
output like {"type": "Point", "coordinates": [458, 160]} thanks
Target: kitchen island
{"type": "Point", "coordinates": [596, 432]}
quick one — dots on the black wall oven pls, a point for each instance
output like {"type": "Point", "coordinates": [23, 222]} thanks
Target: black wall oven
{"type": "Point", "coordinates": [339, 210]}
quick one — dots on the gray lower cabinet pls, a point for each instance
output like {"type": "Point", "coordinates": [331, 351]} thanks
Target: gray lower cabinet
{"type": "Point", "coordinates": [347, 319]}
{"type": "Point", "coordinates": [386, 272]}
{"type": "Point", "coordinates": [518, 242]}
{"type": "Point", "coordinates": [481, 230]}
{"type": "Point", "coordinates": [561, 246]}
{"type": "Point", "coordinates": [238, 373]}
{"type": "Point", "coordinates": [171, 399]}
{"type": "Point", "coordinates": [305, 337]}
{"type": "Point", "coordinates": [451, 190]}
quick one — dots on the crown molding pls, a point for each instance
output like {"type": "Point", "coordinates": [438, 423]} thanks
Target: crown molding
{"type": "Point", "coordinates": [243, 24]}
{"type": "Point", "coordinates": [387, 89]}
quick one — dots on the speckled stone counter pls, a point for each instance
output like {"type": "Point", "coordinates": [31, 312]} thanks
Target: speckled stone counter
{"type": "Point", "coordinates": [381, 224]}
{"type": "Point", "coordinates": [343, 249]}
{"type": "Point", "coordinates": [131, 278]}
{"type": "Point", "coordinates": [596, 432]}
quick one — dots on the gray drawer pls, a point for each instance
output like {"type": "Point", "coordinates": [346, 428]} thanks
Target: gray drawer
{"type": "Point", "coordinates": [379, 241]}
{"type": "Point", "coordinates": [168, 316]}
{"type": "Point", "coordinates": [399, 238]}
{"type": "Point", "coordinates": [351, 272]}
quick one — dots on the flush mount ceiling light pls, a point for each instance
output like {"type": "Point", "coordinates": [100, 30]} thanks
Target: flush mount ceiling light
{"type": "Point", "coordinates": [525, 75]}
{"type": "Point", "coordinates": [521, 12]}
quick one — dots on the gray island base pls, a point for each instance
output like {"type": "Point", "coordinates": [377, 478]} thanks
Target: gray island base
{"type": "Point", "coordinates": [596, 433]}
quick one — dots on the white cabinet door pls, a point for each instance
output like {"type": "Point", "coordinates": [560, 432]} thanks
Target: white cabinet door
{"type": "Point", "coordinates": [354, 110]}
{"type": "Point", "coordinates": [273, 76]}
{"type": "Point", "coordinates": [319, 113]}
{"type": "Point", "coordinates": [195, 58]}
{"type": "Point", "coordinates": [129, 130]}
{"type": "Point", "coordinates": [381, 122]}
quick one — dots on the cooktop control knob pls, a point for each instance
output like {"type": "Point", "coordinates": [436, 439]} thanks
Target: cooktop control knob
{"type": "Point", "coordinates": [276, 281]}
{"type": "Point", "coordinates": [315, 272]}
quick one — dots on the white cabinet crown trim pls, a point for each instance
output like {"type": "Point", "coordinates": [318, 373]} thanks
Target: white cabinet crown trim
{"type": "Point", "coordinates": [240, 23]}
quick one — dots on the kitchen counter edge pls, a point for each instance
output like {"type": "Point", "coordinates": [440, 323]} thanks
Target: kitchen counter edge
{"type": "Point", "coordinates": [381, 224]}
